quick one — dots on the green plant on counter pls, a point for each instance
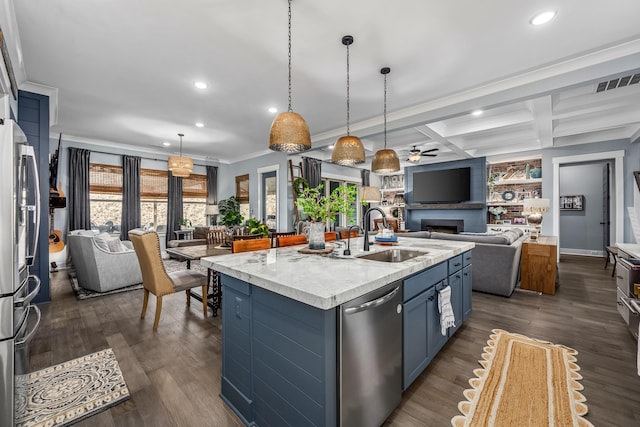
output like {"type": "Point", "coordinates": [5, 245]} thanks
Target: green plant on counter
{"type": "Point", "coordinates": [185, 222]}
{"type": "Point", "coordinates": [230, 212]}
{"type": "Point", "coordinates": [320, 208]}
{"type": "Point", "coordinates": [255, 226]}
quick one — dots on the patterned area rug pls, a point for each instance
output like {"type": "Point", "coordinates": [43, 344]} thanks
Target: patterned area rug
{"type": "Point", "coordinates": [69, 392]}
{"type": "Point", "coordinates": [524, 382]}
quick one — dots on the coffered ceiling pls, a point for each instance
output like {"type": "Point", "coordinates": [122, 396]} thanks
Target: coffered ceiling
{"type": "Point", "coordinates": [124, 73]}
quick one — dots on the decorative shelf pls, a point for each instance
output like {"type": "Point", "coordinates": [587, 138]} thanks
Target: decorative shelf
{"type": "Point", "coordinates": [436, 206]}
{"type": "Point", "coordinates": [505, 204]}
{"type": "Point", "coordinates": [389, 190]}
{"type": "Point", "coordinates": [517, 181]}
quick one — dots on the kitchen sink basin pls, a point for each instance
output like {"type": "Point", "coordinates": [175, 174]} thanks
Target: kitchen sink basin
{"type": "Point", "coordinates": [392, 255]}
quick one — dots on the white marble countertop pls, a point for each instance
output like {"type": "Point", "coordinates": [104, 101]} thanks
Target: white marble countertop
{"type": "Point", "coordinates": [328, 281]}
{"type": "Point", "coordinates": [632, 249]}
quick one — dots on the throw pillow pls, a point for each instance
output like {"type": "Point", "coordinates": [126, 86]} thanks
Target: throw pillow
{"type": "Point", "coordinates": [115, 245]}
{"type": "Point", "coordinates": [102, 244]}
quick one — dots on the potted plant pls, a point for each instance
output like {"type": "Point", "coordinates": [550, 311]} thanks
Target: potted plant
{"type": "Point", "coordinates": [255, 226]}
{"type": "Point", "coordinates": [320, 209]}
{"type": "Point", "coordinates": [185, 223]}
{"type": "Point", "coordinates": [496, 211]}
{"type": "Point", "coordinates": [230, 212]}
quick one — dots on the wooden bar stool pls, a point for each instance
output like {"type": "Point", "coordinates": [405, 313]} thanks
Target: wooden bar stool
{"type": "Point", "coordinates": [612, 252]}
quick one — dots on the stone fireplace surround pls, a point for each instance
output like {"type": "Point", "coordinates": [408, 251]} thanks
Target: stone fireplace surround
{"type": "Point", "coordinates": [452, 226]}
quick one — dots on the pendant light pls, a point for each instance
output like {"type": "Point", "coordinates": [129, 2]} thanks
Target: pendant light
{"type": "Point", "coordinates": [180, 166]}
{"type": "Point", "coordinates": [349, 149]}
{"type": "Point", "coordinates": [289, 132]}
{"type": "Point", "coordinates": [386, 160]}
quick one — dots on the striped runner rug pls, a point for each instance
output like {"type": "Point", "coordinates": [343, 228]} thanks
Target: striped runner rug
{"type": "Point", "coordinates": [524, 382]}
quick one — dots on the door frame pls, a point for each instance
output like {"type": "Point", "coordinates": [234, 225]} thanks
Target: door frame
{"type": "Point", "coordinates": [273, 168]}
{"type": "Point", "coordinates": [616, 205]}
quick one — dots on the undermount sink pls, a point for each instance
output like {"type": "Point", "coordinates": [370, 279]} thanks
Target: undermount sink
{"type": "Point", "coordinates": [392, 255]}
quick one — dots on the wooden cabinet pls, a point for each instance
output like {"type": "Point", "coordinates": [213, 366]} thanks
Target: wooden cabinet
{"type": "Point", "coordinates": [538, 270]}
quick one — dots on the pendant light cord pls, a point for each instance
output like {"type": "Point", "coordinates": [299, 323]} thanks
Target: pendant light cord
{"type": "Point", "coordinates": [290, 109]}
{"type": "Point", "coordinates": [385, 111]}
{"type": "Point", "coordinates": [348, 90]}
{"type": "Point", "coordinates": [180, 135]}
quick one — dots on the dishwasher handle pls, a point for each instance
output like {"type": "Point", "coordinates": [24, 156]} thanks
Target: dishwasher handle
{"type": "Point", "coordinates": [373, 303]}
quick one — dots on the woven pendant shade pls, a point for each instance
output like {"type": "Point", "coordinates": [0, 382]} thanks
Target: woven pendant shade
{"type": "Point", "coordinates": [348, 151]}
{"type": "Point", "coordinates": [180, 166]}
{"type": "Point", "coordinates": [289, 133]}
{"type": "Point", "coordinates": [385, 161]}
{"type": "Point", "coordinates": [370, 194]}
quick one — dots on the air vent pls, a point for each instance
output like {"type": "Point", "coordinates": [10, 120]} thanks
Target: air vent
{"type": "Point", "coordinates": [619, 82]}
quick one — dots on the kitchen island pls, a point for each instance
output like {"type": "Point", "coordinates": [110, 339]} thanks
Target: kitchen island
{"type": "Point", "coordinates": [281, 322]}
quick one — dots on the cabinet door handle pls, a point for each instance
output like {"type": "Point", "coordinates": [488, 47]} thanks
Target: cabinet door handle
{"type": "Point", "coordinates": [431, 298]}
{"type": "Point", "coordinates": [457, 264]}
{"type": "Point", "coordinates": [457, 276]}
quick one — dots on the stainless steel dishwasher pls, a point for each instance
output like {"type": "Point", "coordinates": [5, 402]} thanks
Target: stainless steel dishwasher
{"type": "Point", "coordinates": [370, 365]}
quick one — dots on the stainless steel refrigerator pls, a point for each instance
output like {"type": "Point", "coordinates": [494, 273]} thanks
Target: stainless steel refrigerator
{"type": "Point", "coordinates": [20, 225]}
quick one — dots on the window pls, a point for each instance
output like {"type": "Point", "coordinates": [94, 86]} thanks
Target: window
{"type": "Point", "coordinates": [341, 220]}
{"type": "Point", "coordinates": [105, 197]}
{"type": "Point", "coordinates": [105, 186]}
{"type": "Point", "coordinates": [242, 195]}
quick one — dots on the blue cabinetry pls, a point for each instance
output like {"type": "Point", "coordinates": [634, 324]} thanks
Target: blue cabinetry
{"type": "Point", "coordinates": [422, 336]}
{"type": "Point", "coordinates": [278, 358]}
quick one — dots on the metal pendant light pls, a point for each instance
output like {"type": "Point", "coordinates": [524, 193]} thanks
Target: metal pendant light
{"type": "Point", "coordinates": [180, 166]}
{"type": "Point", "coordinates": [289, 132]}
{"type": "Point", "coordinates": [386, 160]}
{"type": "Point", "coordinates": [349, 149]}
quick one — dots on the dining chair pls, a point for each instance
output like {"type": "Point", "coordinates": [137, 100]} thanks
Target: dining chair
{"type": "Point", "coordinates": [344, 234]}
{"type": "Point", "coordinates": [250, 245]}
{"type": "Point", "coordinates": [330, 236]}
{"type": "Point", "coordinates": [155, 278]}
{"type": "Point", "coordinates": [296, 239]}
{"type": "Point", "coordinates": [276, 234]}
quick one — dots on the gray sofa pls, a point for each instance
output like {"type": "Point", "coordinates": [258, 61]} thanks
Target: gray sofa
{"type": "Point", "coordinates": [496, 258]}
{"type": "Point", "coordinates": [102, 262]}
{"type": "Point", "coordinates": [199, 238]}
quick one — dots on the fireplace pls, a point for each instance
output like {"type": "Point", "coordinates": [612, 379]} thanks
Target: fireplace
{"type": "Point", "coordinates": [452, 226]}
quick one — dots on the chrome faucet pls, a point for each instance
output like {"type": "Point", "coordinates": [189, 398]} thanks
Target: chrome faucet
{"type": "Point", "coordinates": [348, 250]}
{"type": "Point", "coordinates": [366, 225]}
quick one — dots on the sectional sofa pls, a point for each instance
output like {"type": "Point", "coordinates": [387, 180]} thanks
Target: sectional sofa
{"type": "Point", "coordinates": [496, 258]}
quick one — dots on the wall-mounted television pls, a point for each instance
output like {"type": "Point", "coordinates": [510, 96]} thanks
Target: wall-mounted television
{"type": "Point", "coordinates": [442, 186]}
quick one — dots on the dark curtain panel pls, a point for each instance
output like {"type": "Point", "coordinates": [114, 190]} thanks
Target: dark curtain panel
{"type": "Point", "coordinates": [174, 206]}
{"type": "Point", "coordinates": [130, 195]}
{"type": "Point", "coordinates": [78, 194]}
{"type": "Point", "coordinates": [312, 171]}
{"type": "Point", "coordinates": [365, 173]}
{"type": "Point", "coordinates": [212, 185]}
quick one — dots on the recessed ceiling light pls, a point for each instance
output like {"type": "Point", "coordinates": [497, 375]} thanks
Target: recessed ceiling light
{"type": "Point", "coordinates": [330, 147]}
{"type": "Point", "coordinates": [200, 85]}
{"type": "Point", "coordinates": [477, 113]}
{"type": "Point", "coordinates": [273, 110]}
{"type": "Point", "coordinates": [543, 18]}
{"type": "Point", "coordinates": [200, 125]}
{"type": "Point", "coordinates": [166, 144]}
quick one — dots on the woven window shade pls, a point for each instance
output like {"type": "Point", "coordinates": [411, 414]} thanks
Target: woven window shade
{"type": "Point", "coordinates": [194, 186]}
{"type": "Point", "coordinates": [153, 183]}
{"type": "Point", "coordinates": [105, 178]}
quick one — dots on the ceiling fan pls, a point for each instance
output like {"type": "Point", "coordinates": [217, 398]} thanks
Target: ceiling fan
{"type": "Point", "coordinates": [415, 154]}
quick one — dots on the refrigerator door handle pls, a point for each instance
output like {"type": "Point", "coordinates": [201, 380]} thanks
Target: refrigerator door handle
{"type": "Point", "coordinates": [28, 151]}
{"type": "Point", "coordinates": [32, 332]}
{"type": "Point", "coordinates": [23, 302]}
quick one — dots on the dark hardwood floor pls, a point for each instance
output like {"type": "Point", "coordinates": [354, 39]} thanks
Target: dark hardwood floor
{"type": "Point", "coordinates": [174, 374]}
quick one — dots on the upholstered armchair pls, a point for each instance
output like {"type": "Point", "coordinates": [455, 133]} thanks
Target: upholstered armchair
{"type": "Point", "coordinates": [156, 280]}
{"type": "Point", "coordinates": [103, 263]}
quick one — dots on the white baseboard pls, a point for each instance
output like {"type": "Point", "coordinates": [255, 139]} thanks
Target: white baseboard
{"type": "Point", "coordinates": [582, 252]}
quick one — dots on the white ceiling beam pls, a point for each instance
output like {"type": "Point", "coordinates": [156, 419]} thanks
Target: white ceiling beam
{"type": "Point", "coordinates": [543, 122]}
{"type": "Point", "coordinates": [485, 123]}
{"type": "Point", "coordinates": [593, 123]}
{"type": "Point", "coordinates": [623, 132]}
{"type": "Point", "coordinates": [608, 99]}
{"type": "Point", "coordinates": [426, 130]}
